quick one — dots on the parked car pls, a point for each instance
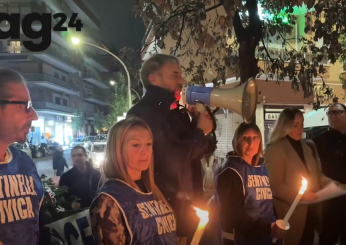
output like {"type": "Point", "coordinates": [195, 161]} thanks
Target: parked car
{"type": "Point", "coordinates": [77, 141]}
{"type": "Point", "coordinates": [23, 147]}
{"type": "Point", "coordinates": [88, 140]}
{"type": "Point", "coordinates": [96, 153]}
{"type": "Point", "coordinates": [101, 137]}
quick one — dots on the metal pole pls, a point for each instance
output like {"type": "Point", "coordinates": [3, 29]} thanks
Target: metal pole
{"type": "Point", "coordinates": [122, 63]}
{"type": "Point", "coordinates": [139, 97]}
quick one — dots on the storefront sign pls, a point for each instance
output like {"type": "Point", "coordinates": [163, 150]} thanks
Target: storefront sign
{"type": "Point", "coordinates": [75, 229]}
{"type": "Point", "coordinates": [271, 116]}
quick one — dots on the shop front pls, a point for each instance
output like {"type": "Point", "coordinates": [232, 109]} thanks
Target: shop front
{"type": "Point", "coordinates": [55, 128]}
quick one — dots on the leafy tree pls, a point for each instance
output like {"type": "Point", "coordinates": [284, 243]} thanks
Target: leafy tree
{"type": "Point", "coordinates": [119, 104]}
{"type": "Point", "coordinates": [77, 121]}
{"type": "Point", "coordinates": [230, 35]}
{"type": "Point", "coordinates": [100, 121]}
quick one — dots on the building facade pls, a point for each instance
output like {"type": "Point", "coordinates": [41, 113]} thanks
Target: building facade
{"type": "Point", "coordinates": [63, 78]}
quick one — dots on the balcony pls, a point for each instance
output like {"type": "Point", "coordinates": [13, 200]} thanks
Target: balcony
{"type": "Point", "coordinates": [53, 109]}
{"type": "Point", "coordinates": [95, 79]}
{"type": "Point", "coordinates": [55, 58]}
{"type": "Point", "coordinates": [15, 53]}
{"type": "Point", "coordinates": [84, 13]}
{"type": "Point", "coordinates": [50, 56]}
{"type": "Point", "coordinates": [51, 82]}
{"type": "Point", "coordinates": [89, 115]}
{"type": "Point", "coordinates": [95, 61]}
{"type": "Point", "coordinates": [96, 98]}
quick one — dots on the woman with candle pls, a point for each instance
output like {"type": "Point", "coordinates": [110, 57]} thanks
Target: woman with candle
{"type": "Point", "coordinates": [243, 193]}
{"type": "Point", "coordinates": [289, 159]}
{"type": "Point", "coordinates": [129, 208]}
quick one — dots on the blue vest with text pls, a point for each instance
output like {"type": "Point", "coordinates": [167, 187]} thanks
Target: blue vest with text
{"type": "Point", "coordinates": [258, 197]}
{"type": "Point", "coordinates": [21, 194]}
{"type": "Point", "coordinates": [147, 221]}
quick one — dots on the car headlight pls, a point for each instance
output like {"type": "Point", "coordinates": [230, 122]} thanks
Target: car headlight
{"type": "Point", "coordinates": [99, 159]}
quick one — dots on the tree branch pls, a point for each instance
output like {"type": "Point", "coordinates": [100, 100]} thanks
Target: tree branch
{"type": "Point", "coordinates": [215, 6]}
{"type": "Point", "coordinates": [178, 45]}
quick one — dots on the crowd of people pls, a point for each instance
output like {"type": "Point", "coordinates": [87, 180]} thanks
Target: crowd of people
{"type": "Point", "coordinates": [152, 177]}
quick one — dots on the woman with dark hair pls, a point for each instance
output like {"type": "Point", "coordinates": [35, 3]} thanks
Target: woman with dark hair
{"type": "Point", "coordinates": [243, 193]}
{"type": "Point", "coordinates": [289, 159]}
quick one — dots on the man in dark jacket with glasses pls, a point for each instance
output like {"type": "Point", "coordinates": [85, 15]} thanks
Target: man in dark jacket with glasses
{"type": "Point", "coordinates": [331, 147]}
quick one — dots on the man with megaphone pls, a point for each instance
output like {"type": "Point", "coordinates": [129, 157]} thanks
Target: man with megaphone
{"type": "Point", "coordinates": [179, 141]}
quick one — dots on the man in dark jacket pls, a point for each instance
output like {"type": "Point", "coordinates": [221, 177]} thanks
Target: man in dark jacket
{"type": "Point", "coordinates": [331, 147]}
{"type": "Point", "coordinates": [82, 180]}
{"type": "Point", "coordinates": [179, 143]}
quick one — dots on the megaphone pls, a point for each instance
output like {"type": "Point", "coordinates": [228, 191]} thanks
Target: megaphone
{"type": "Point", "coordinates": [241, 99]}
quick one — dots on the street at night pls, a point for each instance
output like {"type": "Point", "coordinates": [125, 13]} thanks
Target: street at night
{"type": "Point", "coordinates": [44, 165]}
{"type": "Point", "coordinates": [189, 122]}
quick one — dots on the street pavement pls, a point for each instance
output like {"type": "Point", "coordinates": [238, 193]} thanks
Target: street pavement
{"type": "Point", "coordinates": [44, 165]}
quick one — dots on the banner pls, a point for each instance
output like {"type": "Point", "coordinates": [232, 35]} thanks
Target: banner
{"type": "Point", "coordinates": [74, 230]}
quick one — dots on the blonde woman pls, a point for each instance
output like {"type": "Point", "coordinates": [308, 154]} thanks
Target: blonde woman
{"type": "Point", "coordinates": [288, 158]}
{"type": "Point", "coordinates": [129, 208]}
{"type": "Point", "coordinates": [243, 193]}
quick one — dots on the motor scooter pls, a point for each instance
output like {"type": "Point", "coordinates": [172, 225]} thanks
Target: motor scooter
{"type": "Point", "coordinates": [44, 150]}
{"type": "Point", "coordinates": [35, 153]}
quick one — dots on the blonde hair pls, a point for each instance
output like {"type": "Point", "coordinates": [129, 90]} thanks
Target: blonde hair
{"type": "Point", "coordinates": [238, 135]}
{"type": "Point", "coordinates": [284, 124]}
{"type": "Point", "coordinates": [114, 166]}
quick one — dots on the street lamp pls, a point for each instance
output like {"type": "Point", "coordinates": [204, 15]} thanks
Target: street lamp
{"type": "Point", "coordinates": [77, 41]}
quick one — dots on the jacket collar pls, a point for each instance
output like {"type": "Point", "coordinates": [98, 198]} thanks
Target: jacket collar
{"type": "Point", "coordinates": [159, 96]}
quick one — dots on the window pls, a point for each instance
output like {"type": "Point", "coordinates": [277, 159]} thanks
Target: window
{"type": "Point", "coordinates": [63, 78]}
{"type": "Point", "coordinates": [15, 47]}
{"type": "Point", "coordinates": [56, 75]}
{"type": "Point", "coordinates": [57, 100]}
{"type": "Point", "coordinates": [74, 104]}
{"type": "Point", "coordinates": [64, 102]}
{"type": "Point", "coordinates": [343, 66]}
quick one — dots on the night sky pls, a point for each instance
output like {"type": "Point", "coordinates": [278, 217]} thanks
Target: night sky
{"type": "Point", "coordinates": [118, 23]}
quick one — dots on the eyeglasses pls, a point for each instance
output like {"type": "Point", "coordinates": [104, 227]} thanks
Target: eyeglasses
{"type": "Point", "coordinates": [335, 113]}
{"type": "Point", "coordinates": [28, 104]}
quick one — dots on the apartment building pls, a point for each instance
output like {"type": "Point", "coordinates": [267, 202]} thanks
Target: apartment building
{"type": "Point", "coordinates": [63, 78]}
{"type": "Point", "coordinates": [273, 97]}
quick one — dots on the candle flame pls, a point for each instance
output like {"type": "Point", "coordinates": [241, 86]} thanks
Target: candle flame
{"type": "Point", "coordinates": [304, 186]}
{"type": "Point", "coordinates": [202, 215]}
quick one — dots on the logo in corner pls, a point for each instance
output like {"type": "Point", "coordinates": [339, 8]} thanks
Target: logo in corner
{"type": "Point", "coordinates": [44, 32]}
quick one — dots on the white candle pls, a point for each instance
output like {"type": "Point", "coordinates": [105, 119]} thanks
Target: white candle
{"type": "Point", "coordinates": [204, 219]}
{"type": "Point", "coordinates": [294, 204]}
{"type": "Point", "coordinates": [296, 201]}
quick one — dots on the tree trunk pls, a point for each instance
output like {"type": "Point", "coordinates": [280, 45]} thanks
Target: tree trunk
{"type": "Point", "coordinates": [248, 38]}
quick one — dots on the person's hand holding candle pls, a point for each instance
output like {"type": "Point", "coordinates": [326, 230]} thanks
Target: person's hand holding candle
{"type": "Point", "coordinates": [309, 196]}
{"type": "Point", "coordinates": [277, 232]}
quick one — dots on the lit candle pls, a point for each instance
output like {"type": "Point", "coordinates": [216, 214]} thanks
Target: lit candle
{"type": "Point", "coordinates": [204, 219]}
{"type": "Point", "coordinates": [296, 201]}
{"type": "Point", "coordinates": [294, 204]}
